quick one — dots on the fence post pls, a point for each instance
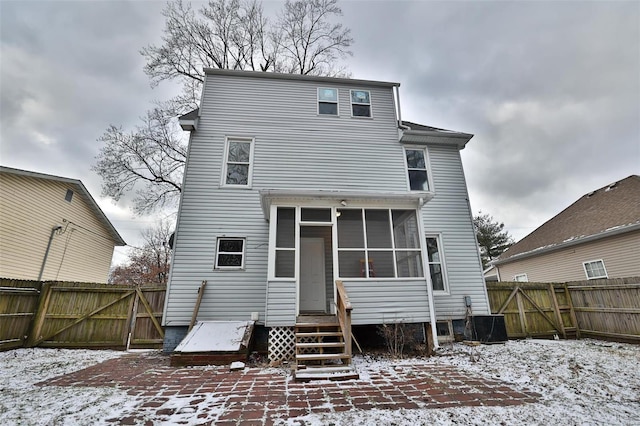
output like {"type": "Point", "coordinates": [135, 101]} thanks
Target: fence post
{"type": "Point", "coordinates": [39, 315]}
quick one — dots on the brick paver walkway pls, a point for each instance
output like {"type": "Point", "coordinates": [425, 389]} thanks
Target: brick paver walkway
{"type": "Point", "coordinates": [213, 395]}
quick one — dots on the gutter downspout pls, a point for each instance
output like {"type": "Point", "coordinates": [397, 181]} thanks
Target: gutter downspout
{"type": "Point", "coordinates": [400, 125]}
{"type": "Point", "coordinates": [46, 253]}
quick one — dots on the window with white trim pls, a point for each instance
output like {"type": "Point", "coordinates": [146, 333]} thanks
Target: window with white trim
{"type": "Point", "coordinates": [416, 161]}
{"type": "Point", "coordinates": [237, 165]}
{"type": "Point", "coordinates": [360, 103]}
{"type": "Point", "coordinates": [230, 253]}
{"type": "Point", "coordinates": [595, 269]}
{"type": "Point", "coordinates": [435, 261]}
{"type": "Point", "coordinates": [521, 278]}
{"type": "Point", "coordinates": [327, 101]}
{"type": "Point", "coordinates": [377, 243]}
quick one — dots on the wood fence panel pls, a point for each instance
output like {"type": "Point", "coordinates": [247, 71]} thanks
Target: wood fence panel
{"type": "Point", "coordinates": [86, 315]}
{"type": "Point", "coordinates": [18, 304]}
{"type": "Point", "coordinates": [610, 311]}
{"type": "Point", "coordinates": [145, 333]}
{"type": "Point", "coordinates": [599, 308]}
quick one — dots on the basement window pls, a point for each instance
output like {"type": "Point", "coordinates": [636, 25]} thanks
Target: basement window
{"type": "Point", "coordinates": [595, 269]}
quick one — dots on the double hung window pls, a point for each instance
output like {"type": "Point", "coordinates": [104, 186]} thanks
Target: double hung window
{"type": "Point", "coordinates": [327, 101]}
{"type": "Point", "coordinates": [237, 166]}
{"type": "Point", "coordinates": [230, 253]}
{"type": "Point", "coordinates": [360, 103]}
{"type": "Point", "coordinates": [417, 169]}
{"type": "Point", "coordinates": [436, 268]}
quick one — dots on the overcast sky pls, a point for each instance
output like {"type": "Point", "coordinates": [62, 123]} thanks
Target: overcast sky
{"type": "Point", "coordinates": [551, 90]}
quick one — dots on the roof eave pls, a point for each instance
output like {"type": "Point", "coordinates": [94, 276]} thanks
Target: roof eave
{"type": "Point", "coordinates": [589, 238]}
{"type": "Point", "coordinates": [435, 137]}
{"type": "Point", "coordinates": [286, 76]}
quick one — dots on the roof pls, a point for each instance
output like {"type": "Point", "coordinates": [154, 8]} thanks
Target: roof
{"type": "Point", "coordinates": [81, 190]}
{"type": "Point", "coordinates": [414, 133]}
{"type": "Point", "coordinates": [610, 210]}
{"type": "Point", "coordinates": [286, 76]}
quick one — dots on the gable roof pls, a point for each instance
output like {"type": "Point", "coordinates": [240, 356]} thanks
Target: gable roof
{"type": "Point", "coordinates": [81, 190]}
{"type": "Point", "coordinates": [610, 210]}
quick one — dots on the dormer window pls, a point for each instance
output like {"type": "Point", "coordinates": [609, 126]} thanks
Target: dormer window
{"type": "Point", "coordinates": [327, 101]}
{"type": "Point", "coordinates": [360, 103]}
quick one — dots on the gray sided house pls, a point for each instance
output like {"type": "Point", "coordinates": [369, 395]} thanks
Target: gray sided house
{"type": "Point", "coordinates": [299, 187]}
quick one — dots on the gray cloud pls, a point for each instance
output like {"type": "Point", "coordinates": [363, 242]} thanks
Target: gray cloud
{"type": "Point", "coordinates": [550, 89]}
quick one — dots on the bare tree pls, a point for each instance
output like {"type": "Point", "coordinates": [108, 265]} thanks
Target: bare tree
{"type": "Point", "coordinates": [308, 42]}
{"type": "Point", "coordinates": [229, 34]}
{"type": "Point", "coordinates": [150, 159]}
{"type": "Point", "coordinates": [147, 265]}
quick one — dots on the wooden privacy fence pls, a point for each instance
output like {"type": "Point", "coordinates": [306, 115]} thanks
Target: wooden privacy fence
{"type": "Point", "coordinates": [79, 315]}
{"type": "Point", "coordinates": [600, 308]}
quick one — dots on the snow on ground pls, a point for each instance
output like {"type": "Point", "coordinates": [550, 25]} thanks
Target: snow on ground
{"type": "Point", "coordinates": [581, 382]}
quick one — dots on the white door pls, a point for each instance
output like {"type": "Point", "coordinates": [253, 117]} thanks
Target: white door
{"type": "Point", "coordinates": [312, 275]}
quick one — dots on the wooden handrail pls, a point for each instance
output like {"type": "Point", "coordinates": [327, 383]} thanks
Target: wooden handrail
{"type": "Point", "coordinates": [343, 310]}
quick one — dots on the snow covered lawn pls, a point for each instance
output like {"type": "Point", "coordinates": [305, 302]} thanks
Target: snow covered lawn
{"type": "Point", "coordinates": [581, 382]}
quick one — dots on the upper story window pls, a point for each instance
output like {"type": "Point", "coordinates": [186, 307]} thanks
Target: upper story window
{"type": "Point", "coordinates": [69, 196]}
{"type": "Point", "coordinates": [417, 169]}
{"type": "Point", "coordinates": [237, 165]}
{"type": "Point", "coordinates": [521, 278]}
{"type": "Point", "coordinates": [327, 101]}
{"type": "Point", "coordinates": [230, 253]}
{"type": "Point", "coordinates": [595, 269]}
{"type": "Point", "coordinates": [360, 103]}
{"type": "Point", "coordinates": [436, 268]}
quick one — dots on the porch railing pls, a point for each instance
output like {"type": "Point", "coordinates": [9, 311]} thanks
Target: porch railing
{"type": "Point", "coordinates": [343, 309]}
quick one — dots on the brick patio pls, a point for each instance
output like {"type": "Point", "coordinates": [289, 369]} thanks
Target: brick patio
{"type": "Point", "coordinates": [213, 395]}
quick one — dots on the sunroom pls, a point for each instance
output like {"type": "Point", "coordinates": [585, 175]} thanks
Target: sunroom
{"type": "Point", "coordinates": [371, 242]}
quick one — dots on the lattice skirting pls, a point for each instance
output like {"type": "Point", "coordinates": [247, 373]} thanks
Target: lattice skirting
{"type": "Point", "coordinates": [282, 344]}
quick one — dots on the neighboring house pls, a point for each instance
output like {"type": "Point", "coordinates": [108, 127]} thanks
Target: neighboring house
{"type": "Point", "coordinates": [52, 229]}
{"type": "Point", "coordinates": [295, 182]}
{"type": "Point", "coordinates": [598, 236]}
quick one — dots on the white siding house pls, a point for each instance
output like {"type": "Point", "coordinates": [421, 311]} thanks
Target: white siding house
{"type": "Point", "coordinates": [293, 182]}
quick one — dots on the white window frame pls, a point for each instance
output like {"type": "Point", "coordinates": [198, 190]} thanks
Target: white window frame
{"type": "Point", "coordinates": [225, 161]}
{"type": "Point", "coordinates": [337, 102]}
{"type": "Point", "coordinates": [584, 265]}
{"type": "Point", "coordinates": [427, 164]}
{"type": "Point", "coordinates": [218, 253]}
{"type": "Point", "coordinates": [351, 104]}
{"type": "Point", "coordinates": [443, 266]}
{"type": "Point", "coordinates": [518, 278]}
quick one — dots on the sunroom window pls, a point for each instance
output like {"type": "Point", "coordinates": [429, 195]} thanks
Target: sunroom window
{"type": "Point", "coordinates": [285, 242]}
{"type": "Point", "coordinates": [374, 243]}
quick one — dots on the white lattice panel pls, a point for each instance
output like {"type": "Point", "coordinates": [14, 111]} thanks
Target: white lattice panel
{"type": "Point", "coordinates": [282, 344]}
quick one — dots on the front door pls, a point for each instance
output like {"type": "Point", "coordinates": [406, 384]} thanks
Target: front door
{"type": "Point", "coordinates": [312, 275]}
